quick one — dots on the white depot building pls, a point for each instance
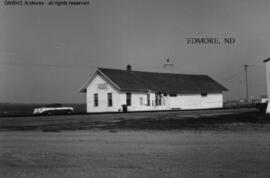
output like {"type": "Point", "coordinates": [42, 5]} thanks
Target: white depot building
{"type": "Point", "coordinates": [267, 64]}
{"type": "Point", "coordinates": [114, 90]}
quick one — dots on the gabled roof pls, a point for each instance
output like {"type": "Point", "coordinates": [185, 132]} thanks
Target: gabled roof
{"type": "Point", "coordinates": [159, 82]}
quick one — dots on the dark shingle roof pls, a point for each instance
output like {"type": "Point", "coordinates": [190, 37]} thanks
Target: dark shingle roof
{"type": "Point", "coordinates": [161, 82]}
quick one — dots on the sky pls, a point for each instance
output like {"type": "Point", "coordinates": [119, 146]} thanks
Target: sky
{"type": "Point", "coordinates": [48, 52]}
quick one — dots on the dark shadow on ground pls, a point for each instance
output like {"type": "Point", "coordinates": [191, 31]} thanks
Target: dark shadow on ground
{"type": "Point", "coordinates": [162, 122]}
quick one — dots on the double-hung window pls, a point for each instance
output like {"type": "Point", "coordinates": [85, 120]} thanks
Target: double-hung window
{"type": "Point", "coordinates": [128, 99]}
{"type": "Point", "coordinates": [148, 99]}
{"type": "Point", "coordinates": [95, 99]}
{"type": "Point", "coordinates": [110, 102]}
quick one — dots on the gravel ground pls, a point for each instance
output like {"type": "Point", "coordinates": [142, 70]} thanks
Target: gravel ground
{"type": "Point", "coordinates": [136, 154]}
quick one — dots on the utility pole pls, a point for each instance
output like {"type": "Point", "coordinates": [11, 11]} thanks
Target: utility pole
{"type": "Point", "coordinates": [246, 72]}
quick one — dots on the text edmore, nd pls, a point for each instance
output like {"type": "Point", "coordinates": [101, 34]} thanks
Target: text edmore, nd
{"type": "Point", "coordinates": [210, 40]}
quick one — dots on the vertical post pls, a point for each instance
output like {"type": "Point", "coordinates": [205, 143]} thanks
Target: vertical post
{"type": "Point", "coordinates": [246, 72]}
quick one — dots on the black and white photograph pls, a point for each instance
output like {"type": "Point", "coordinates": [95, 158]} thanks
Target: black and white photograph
{"type": "Point", "coordinates": [134, 88]}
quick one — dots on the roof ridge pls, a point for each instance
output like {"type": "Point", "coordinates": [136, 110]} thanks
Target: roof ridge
{"type": "Point", "coordinates": [153, 72]}
{"type": "Point", "coordinates": [162, 82]}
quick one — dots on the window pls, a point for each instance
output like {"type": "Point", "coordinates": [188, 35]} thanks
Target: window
{"type": "Point", "coordinates": [148, 99]}
{"type": "Point", "coordinates": [53, 105]}
{"type": "Point", "coordinates": [141, 100]}
{"type": "Point", "coordinates": [204, 94]}
{"type": "Point", "coordinates": [95, 99]}
{"type": "Point", "coordinates": [110, 103]}
{"type": "Point", "coordinates": [128, 99]}
{"type": "Point", "coordinates": [173, 94]}
{"type": "Point", "coordinates": [158, 99]}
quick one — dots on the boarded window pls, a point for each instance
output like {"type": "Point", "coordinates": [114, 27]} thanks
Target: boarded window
{"type": "Point", "coordinates": [110, 102]}
{"type": "Point", "coordinates": [102, 86]}
{"type": "Point", "coordinates": [95, 99]}
{"type": "Point", "coordinates": [204, 94]}
{"type": "Point", "coordinates": [148, 99]}
{"type": "Point", "coordinates": [128, 99]}
{"type": "Point", "coordinates": [141, 100]}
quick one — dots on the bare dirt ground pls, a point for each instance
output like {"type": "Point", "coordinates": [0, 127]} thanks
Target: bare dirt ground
{"type": "Point", "coordinates": [134, 154]}
{"type": "Point", "coordinates": [205, 143]}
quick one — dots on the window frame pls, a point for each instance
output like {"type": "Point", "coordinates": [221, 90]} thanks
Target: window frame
{"type": "Point", "coordinates": [148, 99]}
{"type": "Point", "coordinates": [110, 99]}
{"type": "Point", "coordinates": [158, 99]}
{"type": "Point", "coordinates": [128, 99]}
{"type": "Point", "coordinates": [95, 99]}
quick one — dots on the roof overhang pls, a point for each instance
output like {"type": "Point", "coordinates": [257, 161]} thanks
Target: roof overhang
{"type": "Point", "coordinates": [266, 60]}
{"type": "Point", "coordinates": [152, 91]}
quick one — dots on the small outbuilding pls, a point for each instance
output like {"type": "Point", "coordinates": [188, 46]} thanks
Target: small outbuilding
{"type": "Point", "coordinates": [267, 64]}
{"type": "Point", "coordinates": [115, 90]}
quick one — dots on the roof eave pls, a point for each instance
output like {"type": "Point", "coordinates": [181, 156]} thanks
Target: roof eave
{"type": "Point", "coordinates": [266, 60]}
{"type": "Point", "coordinates": [107, 78]}
{"type": "Point", "coordinates": [163, 91]}
{"type": "Point", "coordinates": [83, 89]}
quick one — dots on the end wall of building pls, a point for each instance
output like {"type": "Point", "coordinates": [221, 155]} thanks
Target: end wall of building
{"type": "Point", "coordinates": [101, 87]}
{"type": "Point", "coordinates": [267, 64]}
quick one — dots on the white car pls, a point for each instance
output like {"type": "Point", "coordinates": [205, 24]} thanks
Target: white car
{"type": "Point", "coordinates": [53, 109]}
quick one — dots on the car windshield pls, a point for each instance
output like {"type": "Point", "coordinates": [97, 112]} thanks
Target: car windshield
{"type": "Point", "coordinates": [53, 105]}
